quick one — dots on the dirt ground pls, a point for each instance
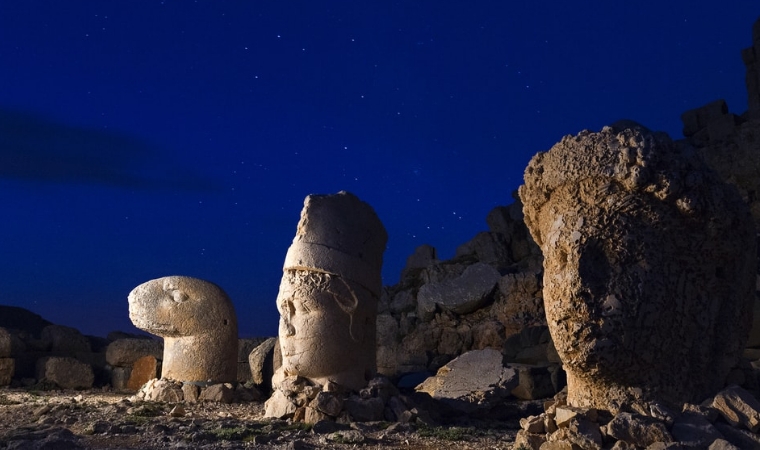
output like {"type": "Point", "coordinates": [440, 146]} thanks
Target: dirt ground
{"type": "Point", "coordinates": [32, 419]}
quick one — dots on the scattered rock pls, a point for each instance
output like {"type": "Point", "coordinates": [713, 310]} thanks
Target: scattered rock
{"type": "Point", "coordinates": [68, 373]}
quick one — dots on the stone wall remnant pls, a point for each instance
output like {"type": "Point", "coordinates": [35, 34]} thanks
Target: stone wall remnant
{"type": "Point", "coordinates": [198, 323]}
{"type": "Point", "coordinates": [649, 266]}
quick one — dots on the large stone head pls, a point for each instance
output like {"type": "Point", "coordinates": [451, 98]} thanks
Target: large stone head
{"type": "Point", "coordinates": [329, 292]}
{"type": "Point", "coordinates": [649, 263]}
{"type": "Point", "coordinates": [198, 323]}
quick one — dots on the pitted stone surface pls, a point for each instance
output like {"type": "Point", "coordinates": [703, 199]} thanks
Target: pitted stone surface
{"type": "Point", "coordinates": [649, 266]}
{"type": "Point", "coordinates": [461, 295]}
{"type": "Point", "coordinates": [198, 323]}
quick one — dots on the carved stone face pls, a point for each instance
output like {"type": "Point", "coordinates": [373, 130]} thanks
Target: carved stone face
{"type": "Point", "coordinates": [325, 334]}
{"type": "Point", "coordinates": [648, 260]}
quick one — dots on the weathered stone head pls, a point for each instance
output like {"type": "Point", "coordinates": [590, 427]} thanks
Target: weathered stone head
{"type": "Point", "coordinates": [198, 324]}
{"type": "Point", "coordinates": [329, 292]}
{"type": "Point", "coordinates": [649, 264]}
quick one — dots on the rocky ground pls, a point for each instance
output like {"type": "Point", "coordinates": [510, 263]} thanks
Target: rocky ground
{"type": "Point", "coordinates": [54, 419]}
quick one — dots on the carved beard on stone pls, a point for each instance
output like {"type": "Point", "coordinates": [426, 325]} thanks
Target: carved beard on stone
{"type": "Point", "coordinates": [326, 332]}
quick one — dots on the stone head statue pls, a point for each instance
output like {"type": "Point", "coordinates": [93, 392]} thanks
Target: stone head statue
{"type": "Point", "coordinates": [329, 292]}
{"type": "Point", "coordinates": [198, 324]}
{"type": "Point", "coordinates": [649, 263]}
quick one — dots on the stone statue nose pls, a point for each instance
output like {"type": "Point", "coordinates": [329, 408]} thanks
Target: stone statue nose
{"type": "Point", "coordinates": [287, 328]}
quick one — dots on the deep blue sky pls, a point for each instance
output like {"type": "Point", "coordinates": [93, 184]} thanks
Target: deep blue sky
{"type": "Point", "coordinates": [147, 138]}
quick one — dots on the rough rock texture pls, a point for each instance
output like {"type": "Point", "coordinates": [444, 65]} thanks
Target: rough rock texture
{"type": "Point", "coordinates": [143, 370]}
{"type": "Point", "coordinates": [67, 373]}
{"type": "Point", "coordinates": [198, 323]}
{"type": "Point", "coordinates": [124, 352]}
{"type": "Point", "coordinates": [329, 291]}
{"type": "Point", "coordinates": [62, 339]}
{"type": "Point", "coordinates": [476, 380]}
{"type": "Point", "coordinates": [488, 293]}
{"type": "Point", "coordinates": [649, 266]}
{"type": "Point", "coordinates": [7, 367]}
{"type": "Point", "coordinates": [261, 362]}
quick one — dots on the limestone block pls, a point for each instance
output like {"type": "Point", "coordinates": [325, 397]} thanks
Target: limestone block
{"type": "Point", "coordinates": [191, 392]}
{"type": "Point", "coordinates": [637, 429]}
{"type": "Point", "coordinates": [218, 393]}
{"type": "Point", "coordinates": [738, 437]}
{"type": "Point", "coordinates": [722, 444]}
{"type": "Point", "coordinates": [694, 430]}
{"type": "Point", "coordinates": [364, 410]}
{"type": "Point", "coordinates": [329, 292]}
{"type": "Point", "coordinates": [532, 441]}
{"type": "Point", "coordinates": [143, 370]}
{"type": "Point", "coordinates": [579, 433]}
{"type": "Point", "coordinates": [462, 295]}
{"type": "Point", "coordinates": [198, 323]}
{"type": "Point", "coordinates": [488, 248]}
{"type": "Point", "coordinates": [64, 340]}
{"type": "Point", "coordinates": [120, 377]}
{"type": "Point", "coordinates": [261, 362]}
{"type": "Point", "coordinates": [279, 405]}
{"type": "Point", "coordinates": [66, 372]}
{"type": "Point", "coordinates": [156, 390]}
{"type": "Point", "coordinates": [534, 382]}
{"type": "Point", "coordinates": [7, 367]}
{"type": "Point", "coordinates": [124, 352]}
{"type": "Point", "coordinates": [328, 403]}
{"type": "Point", "coordinates": [637, 311]}
{"type": "Point", "coordinates": [5, 343]}
{"type": "Point", "coordinates": [423, 256]}
{"type": "Point", "coordinates": [475, 380]}
{"type": "Point", "coordinates": [245, 347]}
{"type": "Point", "coordinates": [738, 407]}
{"type": "Point", "coordinates": [532, 424]}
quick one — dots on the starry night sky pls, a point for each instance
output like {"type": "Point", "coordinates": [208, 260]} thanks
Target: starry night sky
{"type": "Point", "coordinates": [140, 139]}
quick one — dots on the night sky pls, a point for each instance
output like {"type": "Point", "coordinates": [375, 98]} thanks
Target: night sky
{"type": "Point", "coordinates": [140, 139]}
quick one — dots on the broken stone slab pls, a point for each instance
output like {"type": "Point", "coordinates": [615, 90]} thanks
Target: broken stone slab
{"type": "Point", "coordinates": [637, 429]}
{"type": "Point", "coordinates": [66, 372]}
{"type": "Point", "coordinates": [563, 414]}
{"type": "Point", "coordinates": [261, 362]}
{"type": "Point", "coordinates": [279, 405]}
{"type": "Point", "coordinates": [722, 444]}
{"type": "Point", "coordinates": [143, 370]}
{"type": "Point", "coordinates": [534, 382]}
{"type": "Point", "coordinates": [218, 393]}
{"type": "Point", "coordinates": [7, 368]}
{"type": "Point", "coordinates": [738, 437]}
{"type": "Point", "coordinates": [64, 340]}
{"type": "Point", "coordinates": [161, 390]}
{"type": "Point", "coordinates": [580, 432]}
{"type": "Point", "coordinates": [695, 430]}
{"type": "Point", "coordinates": [365, 410]}
{"type": "Point", "coordinates": [461, 295]}
{"type": "Point", "coordinates": [488, 248]}
{"type": "Point", "coordinates": [124, 352]}
{"type": "Point", "coordinates": [475, 380]}
{"type": "Point", "coordinates": [5, 343]}
{"type": "Point", "coordinates": [532, 441]}
{"type": "Point", "coordinates": [533, 424]}
{"type": "Point", "coordinates": [738, 407]}
{"type": "Point", "coordinates": [120, 377]}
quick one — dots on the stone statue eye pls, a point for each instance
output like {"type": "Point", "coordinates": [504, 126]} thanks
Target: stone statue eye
{"type": "Point", "coordinates": [178, 296]}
